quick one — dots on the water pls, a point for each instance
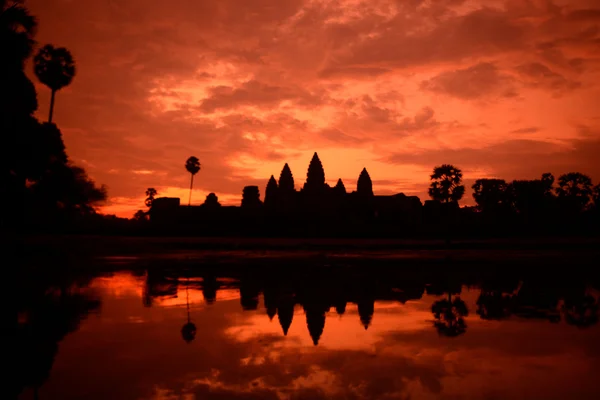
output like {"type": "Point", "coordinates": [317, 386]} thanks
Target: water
{"type": "Point", "coordinates": [186, 330]}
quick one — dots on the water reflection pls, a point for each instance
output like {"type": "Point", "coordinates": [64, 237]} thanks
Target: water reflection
{"type": "Point", "coordinates": [335, 334]}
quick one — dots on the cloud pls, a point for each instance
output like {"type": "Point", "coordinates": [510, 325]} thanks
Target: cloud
{"type": "Point", "coordinates": [480, 80]}
{"type": "Point", "coordinates": [531, 129]}
{"type": "Point", "coordinates": [538, 75]}
{"type": "Point", "coordinates": [255, 93]}
{"type": "Point", "coordinates": [245, 85]}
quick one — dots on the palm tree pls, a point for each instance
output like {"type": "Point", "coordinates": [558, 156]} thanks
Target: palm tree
{"type": "Point", "coordinates": [192, 165]}
{"type": "Point", "coordinates": [55, 68]}
{"type": "Point", "coordinates": [17, 28]}
{"type": "Point", "coordinates": [150, 193]}
{"type": "Point", "coordinates": [188, 331]}
{"type": "Point", "coordinates": [449, 315]}
{"type": "Point", "coordinates": [446, 184]}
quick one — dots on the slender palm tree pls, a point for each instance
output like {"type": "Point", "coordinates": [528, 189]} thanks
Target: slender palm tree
{"type": "Point", "coordinates": [192, 165]}
{"type": "Point", "coordinates": [55, 68]}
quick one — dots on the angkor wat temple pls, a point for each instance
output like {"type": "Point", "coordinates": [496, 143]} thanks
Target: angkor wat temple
{"type": "Point", "coordinates": [315, 208]}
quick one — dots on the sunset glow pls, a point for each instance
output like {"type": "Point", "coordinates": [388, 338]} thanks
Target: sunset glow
{"type": "Point", "coordinates": [503, 88]}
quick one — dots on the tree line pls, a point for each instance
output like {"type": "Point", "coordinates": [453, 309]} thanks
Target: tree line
{"type": "Point", "coordinates": [40, 185]}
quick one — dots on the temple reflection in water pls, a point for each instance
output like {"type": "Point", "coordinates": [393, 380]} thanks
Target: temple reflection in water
{"type": "Point", "coordinates": [575, 302]}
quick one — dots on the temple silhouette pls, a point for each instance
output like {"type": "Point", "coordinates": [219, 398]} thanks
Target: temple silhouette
{"type": "Point", "coordinates": [315, 207]}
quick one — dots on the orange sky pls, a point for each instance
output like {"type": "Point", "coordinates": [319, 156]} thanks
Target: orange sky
{"type": "Point", "coordinates": [499, 88]}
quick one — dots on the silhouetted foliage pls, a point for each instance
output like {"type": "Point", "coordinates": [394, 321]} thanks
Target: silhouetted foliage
{"type": "Point", "coordinates": [140, 216]}
{"type": "Point", "coordinates": [192, 165]}
{"type": "Point", "coordinates": [53, 311]}
{"type": "Point", "coordinates": [532, 198]}
{"type": "Point", "coordinates": [65, 191]}
{"type": "Point", "coordinates": [449, 316]}
{"type": "Point", "coordinates": [580, 309]}
{"type": "Point", "coordinates": [491, 195]}
{"type": "Point", "coordinates": [37, 181]}
{"type": "Point", "coordinates": [493, 304]}
{"type": "Point", "coordinates": [150, 195]}
{"type": "Point", "coordinates": [446, 184]}
{"type": "Point", "coordinates": [17, 29]}
{"type": "Point", "coordinates": [575, 190]}
{"type": "Point", "coordinates": [212, 201]}
{"type": "Point", "coordinates": [364, 186]}
{"type": "Point", "coordinates": [55, 68]}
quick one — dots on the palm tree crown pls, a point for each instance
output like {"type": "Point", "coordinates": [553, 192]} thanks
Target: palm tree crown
{"type": "Point", "coordinates": [446, 184]}
{"type": "Point", "coordinates": [55, 68]}
{"type": "Point", "coordinates": [192, 165]}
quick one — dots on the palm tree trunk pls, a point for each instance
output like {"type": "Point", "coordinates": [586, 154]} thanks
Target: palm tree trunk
{"type": "Point", "coordinates": [191, 185]}
{"type": "Point", "coordinates": [51, 106]}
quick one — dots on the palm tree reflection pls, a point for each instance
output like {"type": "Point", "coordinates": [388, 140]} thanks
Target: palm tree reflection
{"type": "Point", "coordinates": [448, 314]}
{"type": "Point", "coordinates": [188, 331]}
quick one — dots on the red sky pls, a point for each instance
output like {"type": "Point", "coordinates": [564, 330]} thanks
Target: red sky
{"type": "Point", "coordinates": [499, 88]}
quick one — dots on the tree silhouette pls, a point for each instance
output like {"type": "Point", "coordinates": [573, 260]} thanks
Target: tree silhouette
{"type": "Point", "coordinates": [192, 165]}
{"type": "Point", "coordinates": [575, 189]}
{"type": "Point", "coordinates": [446, 184]}
{"type": "Point", "coordinates": [364, 186]}
{"type": "Point", "coordinates": [493, 304]}
{"type": "Point", "coordinates": [491, 195]}
{"type": "Point", "coordinates": [212, 201]}
{"type": "Point", "coordinates": [140, 215]}
{"type": "Point", "coordinates": [55, 68]}
{"type": "Point", "coordinates": [580, 309]}
{"type": "Point", "coordinates": [449, 316]}
{"type": "Point", "coordinates": [150, 194]}
{"type": "Point", "coordinates": [532, 197]}
{"type": "Point", "coordinates": [17, 28]}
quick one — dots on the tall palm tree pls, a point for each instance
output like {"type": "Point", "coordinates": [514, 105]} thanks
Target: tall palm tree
{"type": "Point", "coordinates": [55, 68]}
{"type": "Point", "coordinates": [192, 165]}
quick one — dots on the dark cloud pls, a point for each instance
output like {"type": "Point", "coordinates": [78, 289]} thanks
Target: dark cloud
{"type": "Point", "coordinates": [254, 93]}
{"type": "Point", "coordinates": [538, 75]}
{"type": "Point", "coordinates": [513, 159]}
{"type": "Point", "coordinates": [531, 129]}
{"type": "Point", "coordinates": [483, 79]}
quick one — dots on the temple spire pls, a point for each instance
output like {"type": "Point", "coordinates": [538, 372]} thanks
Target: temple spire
{"type": "Point", "coordinates": [286, 179]}
{"type": "Point", "coordinates": [364, 186]}
{"type": "Point", "coordinates": [315, 177]}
